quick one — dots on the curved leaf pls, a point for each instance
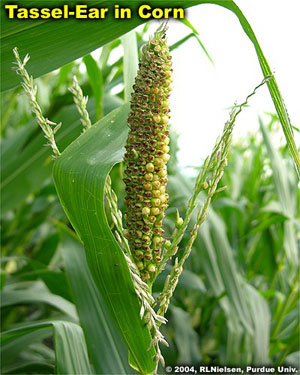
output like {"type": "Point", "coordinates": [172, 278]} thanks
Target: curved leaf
{"type": "Point", "coordinates": [70, 348]}
{"type": "Point", "coordinates": [16, 297]}
{"type": "Point", "coordinates": [111, 356]}
{"type": "Point", "coordinates": [79, 176]}
{"type": "Point", "coordinates": [130, 63]}
{"type": "Point", "coordinates": [36, 165]}
{"type": "Point", "coordinates": [52, 44]}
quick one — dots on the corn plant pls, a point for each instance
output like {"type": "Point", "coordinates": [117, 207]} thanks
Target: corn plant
{"type": "Point", "coordinates": [121, 287]}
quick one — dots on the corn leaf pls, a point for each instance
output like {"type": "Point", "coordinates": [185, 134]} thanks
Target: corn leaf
{"type": "Point", "coordinates": [185, 337]}
{"type": "Point", "coordinates": [15, 297]}
{"type": "Point", "coordinates": [12, 347]}
{"type": "Point", "coordinates": [246, 305]}
{"type": "Point", "coordinates": [287, 196]}
{"type": "Point", "coordinates": [96, 81]}
{"type": "Point", "coordinates": [79, 176]}
{"type": "Point", "coordinates": [31, 368]}
{"type": "Point", "coordinates": [70, 348]}
{"type": "Point", "coordinates": [111, 356]}
{"type": "Point", "coordinates": [130, 63]}
{"type": "Point", "coordinates": [247, 314]}
{"type": "Point", "coordinates": [195, 34]}
{"type": "Point", "coordinates": [18, 180]}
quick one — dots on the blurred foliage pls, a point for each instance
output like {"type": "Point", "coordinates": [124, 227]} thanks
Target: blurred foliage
{"type": "Point", "coordinates": [237, 302]}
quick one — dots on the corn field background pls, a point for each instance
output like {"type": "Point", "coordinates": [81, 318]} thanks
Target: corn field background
{"type": "Point", "coordinates": [237, 301]}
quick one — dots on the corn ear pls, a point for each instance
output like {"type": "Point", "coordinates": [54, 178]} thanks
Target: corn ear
{"type": "Point", "coordinates": [147, 153]}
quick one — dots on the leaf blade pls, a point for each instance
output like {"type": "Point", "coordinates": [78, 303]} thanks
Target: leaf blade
{"type": "Point", "coordinates": [109, 358]}
{"type": "Point", "coordinates": [79, 175]}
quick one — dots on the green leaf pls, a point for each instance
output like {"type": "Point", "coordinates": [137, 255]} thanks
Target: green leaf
{"type": "Point", "coordinates": [19, 179]}
{"type": "Point", "coordinates": [70, 348]}
{"type": "Point", "coordinates": [185, 337]}
{"type": "Point", "coordinates": [246, 305]}
{"type": "Point", "coordinates": [287, 197]}
{"type": "Point", "coordinates": [195, 34]}
{"type": "Point", "coordinates": [55, 281]}
{"type": "Point", "coordinates": [216, 245]}
{"type": "Point", "coordinates": [11, 348]}
{"type": "Point", "coordinates": [96, 81]}
{"type": "Point", "coordinates": [31, 368]}
{"type": "Point", "coordinates": [2, 279]}
{"type": "Point", "coordinates": [79, 176]}
{"type": "Point", "coordinates": [261, 318]}
{"type": "Point", "coordinates": [130, 65]}
{"type": "Point", "coordinates": [54, 44]}
{"type": "Point", "coordinates": [111, 356]}
{"type": "Point", "coordinates": [17, 297]}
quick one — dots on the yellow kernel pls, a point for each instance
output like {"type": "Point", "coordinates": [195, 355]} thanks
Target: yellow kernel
{"type": "Point", "coordinates": [151, 268]}
{"type": "Point", "coordinates": [150, 167]}
{"type": "Point", "coordinates": [162, 189]}
{"type": "Point", "coordinates": [159, 162]}
{"type": "Point", "coordinates": [166, 157]}
{"type": "Point", "coordinates": [162, 173]}
{"type": "Point", "coordinates": [155, 211]}
{"type": "Point", "coordinates": [146, 211]}
{"type": "Point", "coordinates": [165, 119]}
{"type": "Point", "coordinates": [156, 193]}
{"type": "Point", "coordinates": [155, 184]}
{"type": "Point", "coordinates": [156, 240]}
{"type": "Point", "coordinates": [156, 177]}
{"type": "Point", "coordinates": [166, 149]}
{"type": "Point", "coordinates": [149, 176]}
{"type": "Point", "coordinates": [167, 140]}
{"type": "Point", "coordinates": [147, 186]}
{"type": "Point", "coordinates": [156, 202]}
{"type": "Point", "coordinates": [156, 118]}
{"type": "Point", "coordinates": [163, 198]}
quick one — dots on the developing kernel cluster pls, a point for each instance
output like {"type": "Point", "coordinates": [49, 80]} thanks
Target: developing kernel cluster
{"type": "Point", "coordinates": [146, 156]}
